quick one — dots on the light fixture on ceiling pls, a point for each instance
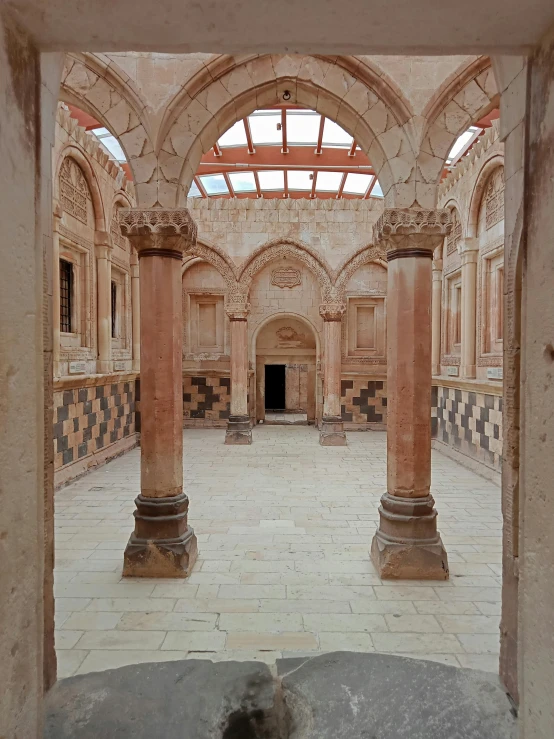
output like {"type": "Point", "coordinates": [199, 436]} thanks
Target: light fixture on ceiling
{"type": "Point", "coordinates": [286, 95]}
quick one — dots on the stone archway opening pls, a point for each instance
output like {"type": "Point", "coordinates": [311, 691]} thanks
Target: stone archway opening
{"type": "Point", "coordinates": [285, 378]}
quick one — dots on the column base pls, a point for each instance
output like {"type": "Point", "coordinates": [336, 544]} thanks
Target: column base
{"type": "Point", "coordinates": [239, 430]}
{"type": "Point", "coordinates": [162, 545]}
{"type": "Point", "coordinates": [407, 545]}
{"type": "Point", "coordinates": [331, 431]}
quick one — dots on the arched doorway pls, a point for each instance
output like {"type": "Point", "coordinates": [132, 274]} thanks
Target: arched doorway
{"type": "Point", "coordinates": [286, 352]}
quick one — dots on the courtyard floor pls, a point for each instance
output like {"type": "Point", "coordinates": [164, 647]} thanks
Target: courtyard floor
{"type": "Point", "coordinates": [284, 528]}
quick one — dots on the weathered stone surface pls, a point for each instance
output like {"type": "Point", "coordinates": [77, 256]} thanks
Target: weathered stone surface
{"type": "Point", "coordinates": [346, 695]}
{"type": "Point", "coordinates": [190, 699]}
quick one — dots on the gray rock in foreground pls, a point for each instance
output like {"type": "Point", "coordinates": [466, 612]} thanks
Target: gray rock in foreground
{"type": "Point", "coordinates": [347, 695]}
{"type": "Point", "coordinates": [343, 695]}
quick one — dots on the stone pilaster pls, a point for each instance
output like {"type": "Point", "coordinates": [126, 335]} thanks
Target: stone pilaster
{"type": "Point", "coordinates": [436, 317]}
{"type": "Point", "coordinates": [162, 544]}
{"type": "Point", "coordinates": [407, 543]}
{"type": "Point", "coordinates": [331, 430]}
{"type": "Point", "coordinates": [469, 253]}
{"type": "Point", "coordinates": [239, 428]}
{"type": "Point", "coordinates": [103, 249]}
{"type": "Point", "coordinates": [135, 309]}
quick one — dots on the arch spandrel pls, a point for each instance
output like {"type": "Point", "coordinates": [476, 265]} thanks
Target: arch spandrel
{"type": "Point", "coordinates": [74, 153]}
{"type": "Point", "coordinates": [366, 255]}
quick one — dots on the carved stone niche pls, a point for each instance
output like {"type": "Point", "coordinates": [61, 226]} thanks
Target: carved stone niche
{"type": "Point", "coordinates": [286, 277]}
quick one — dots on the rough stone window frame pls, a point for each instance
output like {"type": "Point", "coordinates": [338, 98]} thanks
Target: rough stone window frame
{"type": "Point", "coordinates": [191, 348]}
{"type": "Point", "coordinates": [353, 302]}
{"type": "Point", "coordinates": [72, 343]}
{"type": "Point", "coordinates": [121, 342]}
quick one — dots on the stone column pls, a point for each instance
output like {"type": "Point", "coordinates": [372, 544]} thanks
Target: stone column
{"type": "Point", "coordinates": [469, 254]}
{"type": "Point", "coordinates": [135, 309]}
{"type": "Point", "coordinates": [331, 430]}
{"type": "Point", "coordinates": [56, 319]}
{"type": "Point", "coordinates": [407, 544]}
{"type": "Point", "coordinates": [436, 317]}
{"type": "Point", "coordinates": [103, 248]}
{"type": "Point", "coordinates": [163, 544]}
{"type": "Point", "coordinates": [239, 429]}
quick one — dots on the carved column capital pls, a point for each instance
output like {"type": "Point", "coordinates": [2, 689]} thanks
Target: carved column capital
{"type": "Point", "coordinates": [411, 232]}
{"type": "Point", "coordinates": [469, 250]}
{"type": "Point", "coordinates": [167, 233]}
{"type": "Point", "coordinates": [437, 269]}
{"type": "Point", "coordinates": [103, 244]}
{"type": "Point", "coordinates": [237, 311]}
{"type": "Point", "coordinates": [332, 311]}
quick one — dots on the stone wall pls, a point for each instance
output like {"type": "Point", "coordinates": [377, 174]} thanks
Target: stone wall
{"type": "Point", "coordinates": [363, 402]}
{"type": "Point", "coordinates": [206, 400]}
{"type": "Point", "coordinates": [94, 421]}
{"type": "Point", "coordinates": [468, 420]}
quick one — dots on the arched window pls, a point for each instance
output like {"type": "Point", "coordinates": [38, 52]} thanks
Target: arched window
{"type": "Point", "coordinates": [74, 190]}
{"type": "Point", "coordinates": [494, 198]}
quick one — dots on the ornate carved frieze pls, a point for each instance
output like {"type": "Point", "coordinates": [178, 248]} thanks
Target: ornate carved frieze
{"type": "Point", "coordinates": [166, 232]}
{"type": "Point", "coordinates": [406, 232]}
{"type": "Point", "coordinates": [332, 311]}
{"type": "Point", "coordinates": [286, 277]}
{"type": "Point", "coordinates": [74, 190]}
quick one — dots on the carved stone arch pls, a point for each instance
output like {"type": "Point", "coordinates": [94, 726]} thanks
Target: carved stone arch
{"type": "Point", "coordinates": [464, 98]}
{"type": "Point", "coordinates": [286, 248]}
{"type": "Point", "coordinates": [218, 259]}
{"type": "Point", "coordinates": [72, 152]}
{"type": "Point", "coordinates": [365, 255]}
{"type": "Point", "coordinates": [322, 84]}
{"type": "Point", "coordinates": [91, 82]}
{"type": "Point", "coordinates": [481, 183]}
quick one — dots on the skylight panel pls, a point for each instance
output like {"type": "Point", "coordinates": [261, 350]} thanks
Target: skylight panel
{"type": "Point", "coordinates": [264, 127]}
{"type": "Point", "coordinates": [334, 135]}
{"type": "Point", "coordinates": [302, 128]}
{"type": "Point", "coordinates": [328, 181]}
{"type": "Point", "coordinates": [300, 179]}
{"type": "Point", "coordinates": [214, 184]}
{"type": "Point", "coordinates": [234, 136]}
{"type": "Point", "coordinates": [461, 142]}
{"type": "Point", "coordinates": [272, 180]}
{"type": "Point", "coordinates": [357, 184]}
{"type": "Point", "coordinates": [111, 143]}
{"type": "Point", "coordinates": [194, 192]}
{"type": "Point", "coordinates": [376, 191]}
{"type": "Point", "coordinates": [243, 181]}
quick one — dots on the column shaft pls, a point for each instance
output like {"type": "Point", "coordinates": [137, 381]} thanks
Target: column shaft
{"type": "Point", "coordinates": [163, 544]}
{"type": "Point", "coordinates": [135, 314]}
{"type": "Point", "coordinates": [104, 308]}
{"type": "Point", "coordinates": [407, 544]}
{"type": "Point", "coordinates": [469, 306]}
{"type": "Point", "coordinates": [239, 429]}
{"type": "Point", "coordinates": [436, 317]}
{"type": "Point", "coordinates": [331, 431]}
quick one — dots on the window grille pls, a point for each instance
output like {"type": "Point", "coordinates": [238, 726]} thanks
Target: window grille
{"type": "Point", "coordinates": [66, 295]}
{"type": "Point", "coordinates": [114, 309]}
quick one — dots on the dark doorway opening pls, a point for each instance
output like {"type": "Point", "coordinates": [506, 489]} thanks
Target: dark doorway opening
{"type": "Point", "coordinates": [275, 387]}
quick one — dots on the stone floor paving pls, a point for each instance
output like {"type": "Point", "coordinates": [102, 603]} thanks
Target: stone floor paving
{"type": "Point", "coordinates": [284, 527]}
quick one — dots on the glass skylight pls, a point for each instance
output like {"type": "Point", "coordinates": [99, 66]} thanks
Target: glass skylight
{"type": "Point", "coordinates": [357, 184]}
{"type": "Point", "coordinates": [111, 143]}
{"type": "Point", "coordinates": [263, 126]}
{"type": "Point", "coordinates": [272, 180]}
{"type": "Point", "coordinates": [234, 136]}
{"type": "Point", "coordinates": [214, 184]}
{"type": "Point", "coordinates": [194, 192]}
{"type": "Point", "coordinates": [461, 142]}
{"type": "Point", "coordinates": [376, 190]}
{"type": "Point", "coordinates": [300, 179]}
{"type": "Point", "coordinates": [302, 128]}
{"type": "Point", "coordinates": [328, 181]}
{"type": "Point", "coordinates": [243, 181]}
{"type": "Point", "coordinates": [334, 135]}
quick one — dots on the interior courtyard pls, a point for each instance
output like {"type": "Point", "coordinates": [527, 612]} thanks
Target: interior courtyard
{"type": "Point", "coordinates": [276, 342]}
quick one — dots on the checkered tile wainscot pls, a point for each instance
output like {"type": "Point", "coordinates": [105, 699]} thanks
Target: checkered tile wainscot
{"type": "Point", "coordinates": [88, 419]}
{"type": "Point", "coordinates": [363, 401]}
{"type": "Point", "coordinates": [206, 400]}
{"type": "Point", "coordinates": [470, 422]}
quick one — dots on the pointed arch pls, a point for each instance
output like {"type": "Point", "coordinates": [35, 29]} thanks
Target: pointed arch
{"type": "Point", "coordinates": [365, 255]}
{"type": "Point", "coordinates": [73, 152]}
{"type": "Point", "coordinates": [217, 258]}
{"type": "Point", "coordinates": [481, 182]}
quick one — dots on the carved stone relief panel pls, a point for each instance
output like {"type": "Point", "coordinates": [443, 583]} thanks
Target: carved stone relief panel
{"type": "Point", "coordinates": [494, 198]}
{"type": "Point", "coordinates": [455, 236]}
{"type": "Point", "coordinates": [286, 277]}
{"type": "Point", "coordinates": [74, 190]}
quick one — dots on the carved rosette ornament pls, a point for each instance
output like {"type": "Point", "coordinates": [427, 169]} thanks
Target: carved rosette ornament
{"type": "Point", "coordinates": [157, 232]}
{"type": "Point", "coordinates": [332, 311]}
{"type": "Point", "coordinates": [238, 311]}
{"type": "Point", "coordinates": [412, 232]}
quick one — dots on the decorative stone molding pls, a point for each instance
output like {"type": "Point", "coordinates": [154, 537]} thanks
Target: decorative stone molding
{"type": "Point", "coordinates": [372, 253]}
{"type": "Point", "coordinates": [332, 311]}
{"type": "Point", "coordinates": [412, 232]}
{"type": "Point", "coordinates": [214, 256]}
{"type": "Point", "coordinates": [165, 232]}
{"type": "Point", "coordinates": [237, 311]}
